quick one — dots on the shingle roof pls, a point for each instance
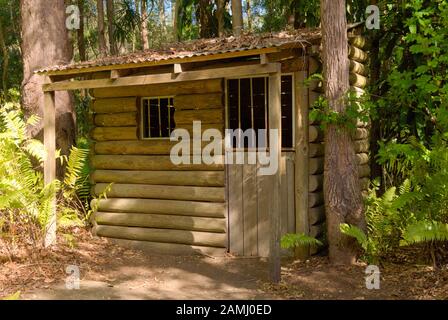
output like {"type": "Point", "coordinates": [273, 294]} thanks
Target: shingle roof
{"type": "Point", "coordinates": [201, 47]}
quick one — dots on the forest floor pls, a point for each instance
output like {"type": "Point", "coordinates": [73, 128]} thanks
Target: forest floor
{"type": "Point", "coordinates": [111, 272]}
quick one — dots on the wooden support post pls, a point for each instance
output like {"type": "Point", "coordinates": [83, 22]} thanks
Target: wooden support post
{"type": "Point", "coordinates": [301, 159]}
{"type": "Point", "coordinates": [50, 162]}
{"type": "Point", "coordinates": [275, 212]}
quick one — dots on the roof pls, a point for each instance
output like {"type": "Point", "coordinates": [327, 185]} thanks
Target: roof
{"type": "Point", "coordinates": [195, 50]}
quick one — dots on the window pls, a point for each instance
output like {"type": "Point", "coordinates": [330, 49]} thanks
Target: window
{"type": "Point", "coordinates": [247, 102]}
{"type": "Point", "coordinates": [157, 117]}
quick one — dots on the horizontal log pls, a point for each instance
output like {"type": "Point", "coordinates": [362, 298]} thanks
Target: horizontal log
{"type": "Point", "coordinates": [161, 221]}
{"type": "Point", "coordinates": [204, 127]}
{"type": "Point", "coordinates": [364, 171]}
{"type": "Point", "coordinates": [362, 158]}
{"type": "Point", "coordinates": [177, 178]}
{"type": "Point", "coordinates": [361, 133]}
{"type": "Point", "coordinates": [115, 105]}
{"type": "Point", "coordinates": [143, 147]}
{"type": "Point", "coordinates": [211, 194]}
{"type": "Point", "coordinates": [314, 65]}
{"type": "Point", "coordinates": [205, 116]}
{"type": "Point", "coordinates": [199, 101]}
{"type": "Point", "coordinates": [158, 90]}
{"type": "Point", "coordinates": [316, 165]}
{"type": "Point", "coordinates": [357, 54]}
{"type": "Point", "coordinates": [358, 41]}
{"type": "Point", "coordinates": [121, 119]}
{"type": "Point", "coordinates": [163, 235]}
{"type": "Point", "coordinates": [175, 249]}
{"type": "Point", "coordinates": [357, 67]}
{"type": "Point", "coordinates": [358, 80]}
{"type": "Point", "coordinates": [316, 215]}
{"type": "Point", "coordinates": [317, 230]}
{"type": "Point", "coordinates": [315, 199]}
{"type": "Point", "coordinates": [315, 182]}
{"type": "Point", "coordinates": [315, 133]}
{"type": "Point", "coordinates": [313, 96]}
{"type": "Point", "coordinates": [114, 133]}
{"type": "Point", "coordinates": [361, 146]}
{"type": "Point", "coordinates": [365, 183]}
{"type": "Point", "coordinates": [316, 150]}
{"type": "Point", "coordinates": [174, 207]}
{"type": "Point", "coordinates": [156, 163]}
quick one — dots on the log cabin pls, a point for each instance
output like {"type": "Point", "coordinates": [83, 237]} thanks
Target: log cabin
{"type": "Point", "coordinates": [250, 82]}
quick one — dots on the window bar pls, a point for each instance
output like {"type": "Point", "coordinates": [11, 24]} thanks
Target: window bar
{"type": "Point", "coordinates": [160, 117]}
{"type": "Point", "coordinates": [148, 110]}
{"type": "Point", "coordinates": [252, 109]}
{"type": "Point", "coordinates": [168, 109]}
{"type": "Point", "coordinates": [239, 112]}
{"type": "Point", "coordinates": [266, 120]}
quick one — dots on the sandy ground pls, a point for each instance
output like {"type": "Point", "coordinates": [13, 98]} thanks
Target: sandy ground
{"type": "Point", "coordinates": [111, 272]}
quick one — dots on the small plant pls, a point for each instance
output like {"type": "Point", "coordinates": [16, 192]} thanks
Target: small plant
{"type": "Point", "coordinates": [294, 240]}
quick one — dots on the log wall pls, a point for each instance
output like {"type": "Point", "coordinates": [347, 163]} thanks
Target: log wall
{"type": "Point", "coordinates": [151, 200]}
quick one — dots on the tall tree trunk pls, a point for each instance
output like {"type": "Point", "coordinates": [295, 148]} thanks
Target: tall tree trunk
{"type": "Point", "coordinates": [343, 199]}
{"type": "Point", "coordinates": [144, 25]}
{"type": "Point", "coordinates": [249, 15]}
{"type": "Point", "coordinates": [110, 26]}
{"type": "Point", "coordinates": [237, 17]}
{"type": "Point", "coordinates": [220, 9]}
{"type": "Point", "coordinates": [80, 32]}
{"type": "Point", "coordinates": [45, 42]}
{"type": "Point", "coordinates": [162, 17]}
{"type": "Point", "coordinates": [177, 4]}
{"type": "Point", "coordinates": [205, 19]}
{"type": "Point", "coordinates": [5, 62]}
{"type": "Point", "coordinates": [101, 33]}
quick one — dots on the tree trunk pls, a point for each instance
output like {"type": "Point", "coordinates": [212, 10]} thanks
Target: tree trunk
{"type": "Point", "coordinates": [144, 26]}
{"type": "Point", "coordinates": [205, 19]}
{"type": "Point", "coordinates": [249, 15]}
{"type": "Point", "coordinates": [101, 35]}
{"type": "Point", "coordinates": [81, 41]}
{"type": "Point", "coordinates": [237, 17]}
{"type": "Point", "coordinates": [45, 42]}
{"type": "Point", "coordinates": [110, 26]}
{"type": "Point", "coordinates": [343, 199]}
{"type": "Point", "coordinates": [162, 16]}
{"type": "Point", "coordinates": [5, 62]}
{"type": "Point", "coordinates": [177, 4]}
{"type": "Point", "coordinates": [220, 9]}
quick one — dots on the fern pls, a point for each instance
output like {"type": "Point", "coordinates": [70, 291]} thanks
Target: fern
{"type": "Point", "coordinates": [425, 231]}
{"type": "Point", "coordinates": [293, 240]}
{"type": "Point", "coordinates": [355, 232]}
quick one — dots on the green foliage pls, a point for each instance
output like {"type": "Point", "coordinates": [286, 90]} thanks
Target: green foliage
{"type": "Point", "coordinates": [25, 201]}
{"type": "Point", "coordinates": [358, 108]}
{"type": "Point", "coordinates": [425, 231]}
{"type": "Point", "coordinates": [293, 240]}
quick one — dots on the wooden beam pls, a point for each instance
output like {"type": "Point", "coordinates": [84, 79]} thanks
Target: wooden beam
{"type": "Point", "coordinates": [264, 58]}
{"type": "Point", "coordinates": [177, 68]}
{"type": "Point", "coordinates": [50, 162]}
{"type": "Point", "coordinates": [301, 158]}
{"type": "Point", "coordinates": [219, 56]}
{"type": "Point", "coordinates": [241, 71]}
{"type": "Point", "coordinates": [275, 225]}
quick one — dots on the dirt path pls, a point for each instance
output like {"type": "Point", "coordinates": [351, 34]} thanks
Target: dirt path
{"type": "Point", "coordinates": [166, 277]}
{"type": "Point", "coordinates": [111, 272]}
